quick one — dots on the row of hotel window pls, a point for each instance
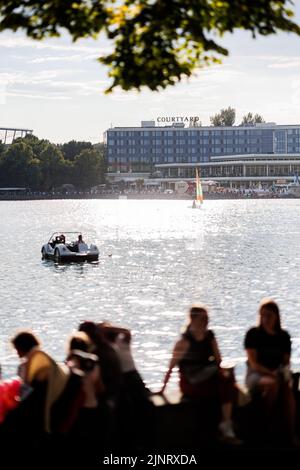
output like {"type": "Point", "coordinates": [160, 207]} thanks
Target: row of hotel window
{"type": "Point", "coordinates": [215, 132]}
{"type": "Point", "coordinates": [195, 150]}
{"type": "Point", "coordinates": [203, 141]}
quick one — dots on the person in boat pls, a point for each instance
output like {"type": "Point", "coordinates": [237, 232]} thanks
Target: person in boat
{"type": "Point", "coordinates": [56, 241]}
{"type": "Point", "coordinates": [198, 358]}
{"type": "Point", "coordinates": [268, 348]}
{"type": "Point", "coordinates": [80, 240]}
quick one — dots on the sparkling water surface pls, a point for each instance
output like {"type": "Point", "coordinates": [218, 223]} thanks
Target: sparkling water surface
{"type": "Point", "coordinates": [156, 258]}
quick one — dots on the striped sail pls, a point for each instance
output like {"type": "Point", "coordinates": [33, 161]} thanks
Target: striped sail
{"type": "Point", "coordinates": [199, 194]}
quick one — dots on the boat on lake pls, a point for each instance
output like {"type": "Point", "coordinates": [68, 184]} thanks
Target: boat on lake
{"type": "Point", "coordinates": [68, 247]}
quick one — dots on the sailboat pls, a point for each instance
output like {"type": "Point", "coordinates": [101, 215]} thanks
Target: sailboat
{"type": "Point", "coordinates": [197, 203]}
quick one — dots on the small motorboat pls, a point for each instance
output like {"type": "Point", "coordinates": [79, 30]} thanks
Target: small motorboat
{"type": "Point", "coordinates": [69, 246]}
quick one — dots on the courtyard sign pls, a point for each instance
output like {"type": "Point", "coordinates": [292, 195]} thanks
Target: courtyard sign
{"type": "Point", "coordinates": [178, 119]}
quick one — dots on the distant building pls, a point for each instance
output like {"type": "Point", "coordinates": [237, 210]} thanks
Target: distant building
{"type": "Point", "coordinates": [9, 134]}
{"type": "Point", "coordinates": [263, 152]}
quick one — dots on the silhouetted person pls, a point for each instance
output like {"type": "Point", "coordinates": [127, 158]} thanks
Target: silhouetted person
{"type": "Point", "coordinates": [198, 358]}
{"type": "Point", "coordinates": [268, 348]}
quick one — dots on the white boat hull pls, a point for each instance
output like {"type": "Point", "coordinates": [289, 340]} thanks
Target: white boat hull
{"type": "Point", "coordinates": [61, 253]}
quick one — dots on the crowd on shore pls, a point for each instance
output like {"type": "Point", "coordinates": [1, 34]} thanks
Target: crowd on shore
{"type": "Point", "coordinates": [98, 398]}
{"type": "Point", "coordinates": [146, 193]}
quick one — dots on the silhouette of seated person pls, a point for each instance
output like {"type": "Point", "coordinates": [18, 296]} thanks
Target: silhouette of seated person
{"type": "Point", "coordinates": [58, 239]}
{"type": "Point", "coordinates": [268, 348]}
{"type": "Point", "coordinates": [201, 376]}
{"type": "Point", "coordinates": [135, 411]}
{"type": "Point", "coordinates": [43, 382]}
{"type": "Point", "coordinates": [80, 244]}
{"type": "Point", "coordinates": [88, 425]}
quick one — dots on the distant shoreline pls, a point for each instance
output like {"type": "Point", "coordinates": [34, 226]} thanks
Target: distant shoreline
{"type": "Point", "coordinates": [169, 197]}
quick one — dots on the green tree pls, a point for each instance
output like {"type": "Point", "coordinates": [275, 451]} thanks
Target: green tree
{"type": "Point", "coordinates": [18, 167]}
{"type": "Point", "coordinates": [100, 148]}
{"type": "Point", "coordinates": [88, 169]}
{"type": "Point", "coordinates": [155, 43]}
{"type": "Point", "coordinates": [226, 117]}
{"type": "Point", "coordinates": [37, 145]}
{"type": "Point", "coordinates": [73, 148]}
{"type": "Point", "coordinates": [252, 119]}
{"type": "Point", "coordinates": [52, 167]}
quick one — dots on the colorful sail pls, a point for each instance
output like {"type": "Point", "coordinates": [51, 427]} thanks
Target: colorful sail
{"type": "Point", "coordinates": [199, 193]}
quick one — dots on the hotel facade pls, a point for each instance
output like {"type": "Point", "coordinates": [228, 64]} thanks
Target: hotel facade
{"type": "Point", "coordinates": [237, 156]}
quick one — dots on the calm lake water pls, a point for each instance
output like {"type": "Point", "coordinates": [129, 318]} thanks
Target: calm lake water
{"type": "Point", "coordinates": [156, 258]}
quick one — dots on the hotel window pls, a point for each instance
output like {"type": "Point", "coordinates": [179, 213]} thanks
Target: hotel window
{"type": "Point", "coordinates": [280, 141]}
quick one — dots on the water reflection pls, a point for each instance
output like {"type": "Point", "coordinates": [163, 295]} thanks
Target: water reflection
{"type": "Point", "coordinates": [156, 257]}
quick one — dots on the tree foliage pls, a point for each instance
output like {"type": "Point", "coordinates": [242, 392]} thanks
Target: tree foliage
{"type": "Point", "coordinates": [39, 165]}
{"type": "Point", "coordinates": [226, 117]}
{"type": "Point", "coordinates": [252, 119]}
{"type": "Point", "coordinates": [155, 43]}
{"type": "Point", "coordinates": [73, 148]}
{"type": "Point", "coordinates": [18, 165]}
{"type": "Point", "coordinates": [87, 169]}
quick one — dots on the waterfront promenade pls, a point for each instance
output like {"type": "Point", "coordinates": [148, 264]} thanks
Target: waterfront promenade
{"type": "Point", "coordinates": [143, 195]}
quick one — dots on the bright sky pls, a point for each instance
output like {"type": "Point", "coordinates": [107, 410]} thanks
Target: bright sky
{"type": "Point", "coordinates": [55, 87]}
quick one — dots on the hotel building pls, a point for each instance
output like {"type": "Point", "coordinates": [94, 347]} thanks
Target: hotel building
{"type": "Point", "coordinates": [237, 156]}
